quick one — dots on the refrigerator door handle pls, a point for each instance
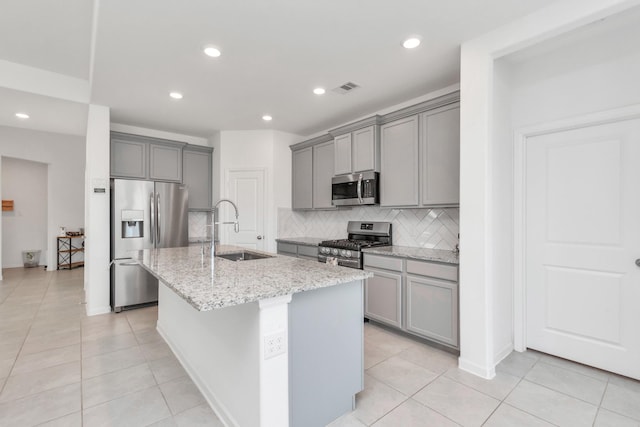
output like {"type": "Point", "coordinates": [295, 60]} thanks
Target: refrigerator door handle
{"type": "Point", "coordinates": [152, 229]}
{"type": "Point", "coordinates": [158, 218]}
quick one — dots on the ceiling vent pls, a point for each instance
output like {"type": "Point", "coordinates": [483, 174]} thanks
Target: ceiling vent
{"type": "Point", "coordinates": [346, 88]}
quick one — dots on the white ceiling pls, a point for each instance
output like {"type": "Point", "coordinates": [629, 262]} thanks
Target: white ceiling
{"type": "Point", "coordinates": [273, 54]}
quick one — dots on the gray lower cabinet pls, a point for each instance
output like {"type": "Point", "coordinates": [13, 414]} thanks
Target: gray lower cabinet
{"type": "Point", "coordinates": [165, 162]}
{"type": "Point", "coordinates": [302, 179]}
{"type": "Point", "coordinates": [197, 176]}
{"type": "Point", "coordinates": [383, 297]}
{"type": "Point", "coordinates": [309, 252]}
{"type": "Point", "coordinates": [399, 166]}
{"type": "Point", "coordinates": [418, 297]}
{"type": "Point", "coordinates": [129, 158]}
{"type": "Point", "coordinates": [323, 157]}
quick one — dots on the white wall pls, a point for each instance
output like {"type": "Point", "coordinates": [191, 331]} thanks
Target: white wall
{"type": "Point", "coordinates": [65, 155]}
{"type": "Point", "coordinates": [264, 149]}
{"type": "Point", "coordinates": [24, 228]}
{"type": "Point", "coordinates": [484, 152]}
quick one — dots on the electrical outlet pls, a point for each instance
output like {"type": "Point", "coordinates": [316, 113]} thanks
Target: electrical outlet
{"type": "Point", "coordinates": [275, 344]}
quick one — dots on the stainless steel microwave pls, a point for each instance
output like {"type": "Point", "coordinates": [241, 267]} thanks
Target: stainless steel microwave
{"type": "Point", "coordinates": [355, 189]}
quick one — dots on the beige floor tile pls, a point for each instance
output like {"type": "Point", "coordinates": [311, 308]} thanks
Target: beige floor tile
{"type": "Point", "coordinates": [624, 382]}
{"type": "Point", "coordinates": [347, 420]}
{"type": "Point", "coordinates": [181, 394]}
{"type": "Point", "coordinates": [551, 406]}
{"type": "Point", "coordinates": [518, 364]}
{"type": "Point", "coordinates": [116, 326]}
{"type": "Point", "coordinates": [611, 419]}
{"type": "Point", "coordinates": [404, 376]}
{"type": "Point", "coordinates": [167, 369]}
{"type": "Point", "coordinates": [156, 350]}
{"type": "Point", "coordinates": [42, 407]}
{"type": "Point", "coordinates": [457, 402]}
{"type": "Point", "coordinates": [10, 350]}
{"type": "Point", "coordinates": [111, 386]}
{"type": "Point", "coordinates": [111, 362]}
{"type": "Point", "coordinates": [498, 387]}
{"type": "Point", "coordinates": [374, 355]}
{"type": "Point", "coordinates": [44, 359]}
{"type": "Point", "coordinates": [133, 410]}
{"type": "Point", "coordinates": [36, 344]}
{"type": "Point", "coordinates": [200, 416]}
{"type": "Point", "coordinates": [376, 400]}
{"type": "Point", "coordinates": [414, 414]}
{"type": "Point", "coordinates": [108, 344]}
{"type": "Point", "coordinates": [568, 382]}
{"type": "Point", "coordinates": [33, 382]}
{"type": "Point", "coordinates": [5, 367]}
{"type": "Point", "coordinates": [508, 416]}
{"type": "Point", "coordinates": [71, 420]}
{"type": "Point", "coordinates": [390, 342]}
{"type": "Point", "coordinates": [167, 422]}
{"type": "Point", "coordinates": [146, 336]}
{"type": "Point", "coordinates": [624, 400]}
{"type": "Point", "coordinates": [435, 360]}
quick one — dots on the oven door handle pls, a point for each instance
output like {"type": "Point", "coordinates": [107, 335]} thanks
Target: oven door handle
{"type": "Point", "coordinates": [360, 200]}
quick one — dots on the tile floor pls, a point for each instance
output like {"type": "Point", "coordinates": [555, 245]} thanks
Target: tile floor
{"type": "Point", "coordinates": [61, 368]}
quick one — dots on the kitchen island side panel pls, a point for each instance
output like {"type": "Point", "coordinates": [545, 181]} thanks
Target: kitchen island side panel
{"type": "Point", "coordinates": [220, 350]}
{"type": "Point", "coordinates": [326, 353]}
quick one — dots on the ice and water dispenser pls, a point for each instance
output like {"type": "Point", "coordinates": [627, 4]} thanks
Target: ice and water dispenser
{"type": "Point", "coordinates": [132, 223]}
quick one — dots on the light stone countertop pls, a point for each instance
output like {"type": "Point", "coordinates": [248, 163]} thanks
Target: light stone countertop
{"type": "Point", "coordinates": [422, 254]}
{"type": "Point", "coordinates": [308, 241]}
{"type": "Point", "coordinates": [190, 275]}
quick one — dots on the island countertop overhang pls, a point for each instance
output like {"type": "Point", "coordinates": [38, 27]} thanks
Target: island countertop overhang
{"type": "Point", "coordinates": [190, 274]}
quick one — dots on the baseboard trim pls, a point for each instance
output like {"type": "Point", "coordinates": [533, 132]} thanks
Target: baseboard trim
{"type": "Point", "coordinates": [502, 354]}
{"type": "Point", "coordinates": [99, 310]}
{"type": "Point", "coordinates": [486, 372]}
{"type": "Point", "coordinates": [221, 412]}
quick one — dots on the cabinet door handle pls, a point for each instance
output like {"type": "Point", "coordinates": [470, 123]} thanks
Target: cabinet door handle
{"type": "Point", "coordinates": [259, 237]}
{"type": "Point", "coordinates": [638, 262]}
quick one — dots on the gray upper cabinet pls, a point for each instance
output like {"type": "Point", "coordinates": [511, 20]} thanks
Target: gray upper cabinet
{"type": "Point", "coordinates": [142, 157]}
{"type": "Point", "coordinates": [323, 163]}
{"type": "Point", "coordinates": [342, 154]}
{"type": "Point", "coordinates": [197, 175]}
{"type": "Point", "coordinates": [165, 162]}
{"type": "Point", "coordinates": [399, 168]}
{"type": "Point", "coordinates": [128, 158]}
{"type": "Point", "coordinates": [440, 157]}
{"type": "Point", "coordinates": [302, 179]}
{"type": "Point", "coordinates": [366, 149]}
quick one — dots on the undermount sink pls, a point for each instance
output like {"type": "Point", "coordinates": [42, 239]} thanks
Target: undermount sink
{"type": "Point", "coordinates": [243, 256]}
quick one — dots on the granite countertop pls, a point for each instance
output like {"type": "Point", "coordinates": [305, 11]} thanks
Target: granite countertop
{"type": "Point", "coordinates": [422, 254]}
{"type": "Point", "coordinates": [309, 241]}
{"type": "Point", "coordinates": [190, 275]}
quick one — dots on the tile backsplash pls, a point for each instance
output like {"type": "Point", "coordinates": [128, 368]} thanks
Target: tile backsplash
{"type": "Point", "coordinates": [197, 222]}
{"type": "Point", "coordinates": [426, 228]}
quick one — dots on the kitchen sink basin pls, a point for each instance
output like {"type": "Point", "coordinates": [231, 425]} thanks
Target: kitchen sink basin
{"type": "Point", "coordinates": [243, 256]}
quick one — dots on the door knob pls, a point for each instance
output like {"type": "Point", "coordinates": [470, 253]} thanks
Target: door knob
{"type": "Point", "coordinates": [260, 238]}
{"type": "Point", "coordinates": [638, 262]}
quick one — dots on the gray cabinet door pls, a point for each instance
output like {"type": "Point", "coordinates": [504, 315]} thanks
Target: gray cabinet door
{"type": "Point", "coordinates": [323, 156]}
{"type": "Point", "coordinates": [287, 249]}
{"type": "Point", "coordinates": [302, 179]}
{"type": "Point", "coordinates": [399, 167]}
{"type": "Point", "coordinates": [440, 146]}
{"type": "Point", "coordinates": [364, 149]}
{"type": "Point", "coordinates": [342, 154]}
{"type": "Point", "coordinates": [197, 176]}
{"type": "Point", "coordinates": [383, 297]}
{"type": "Point", "coordinates": [165, 162]}
{"type": "Point", "coordinates": [129, 159]}
{"type": "Point", "coordinates": [432, 309]}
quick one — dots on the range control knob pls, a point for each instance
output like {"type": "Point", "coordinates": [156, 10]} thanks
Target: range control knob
{"type": "Point", "coordinates": [334, 251]}
{"type": "Point", "coordinates": [343, 252]}
{"type": "Point", "coordinates": [348, 254]}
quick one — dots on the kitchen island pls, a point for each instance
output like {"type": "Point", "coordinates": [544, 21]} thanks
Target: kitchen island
{"type": "Point", "coordinates": [269, 342]}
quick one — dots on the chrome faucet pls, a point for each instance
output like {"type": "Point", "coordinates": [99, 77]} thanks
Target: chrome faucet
{"type": "Point", "coordinates": [214, 211]}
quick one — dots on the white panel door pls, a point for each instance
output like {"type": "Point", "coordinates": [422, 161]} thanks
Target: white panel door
{"type": "Point", "coordinates": [583, 237]}
{"type": "Point", "coordinates": [246, 188]}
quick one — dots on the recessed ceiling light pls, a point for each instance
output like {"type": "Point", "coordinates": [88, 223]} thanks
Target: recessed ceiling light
{"type": "Point", "coordinates": [411, 43]}
{"type": "Point", "coordinates": [175, 95]}
{"type": "Point", "coordinates": [22, 115]}
{"type": "Point", "coordinates": [319, 91]}
{"type": "Point", "coordinates": [211, 51]}
{"type": "Point", "coordinates": [267, 118]}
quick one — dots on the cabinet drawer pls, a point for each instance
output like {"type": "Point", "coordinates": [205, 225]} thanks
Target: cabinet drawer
{"type": "Point", "coordinates": [287, 248]}
{"type": "Point", "coordinates": [387, 263]}
{"type": "Point", "coordinates": [440, 271]}
{"type": "Point", "coordinates": [308, 251]}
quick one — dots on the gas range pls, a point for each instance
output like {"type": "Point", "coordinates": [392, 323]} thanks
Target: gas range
{"type": "Point", "coordinates": [362, 234]}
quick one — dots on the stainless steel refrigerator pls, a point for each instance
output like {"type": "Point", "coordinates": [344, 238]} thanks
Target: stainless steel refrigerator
{"type": "Point", "coordinates": [144, 215]}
